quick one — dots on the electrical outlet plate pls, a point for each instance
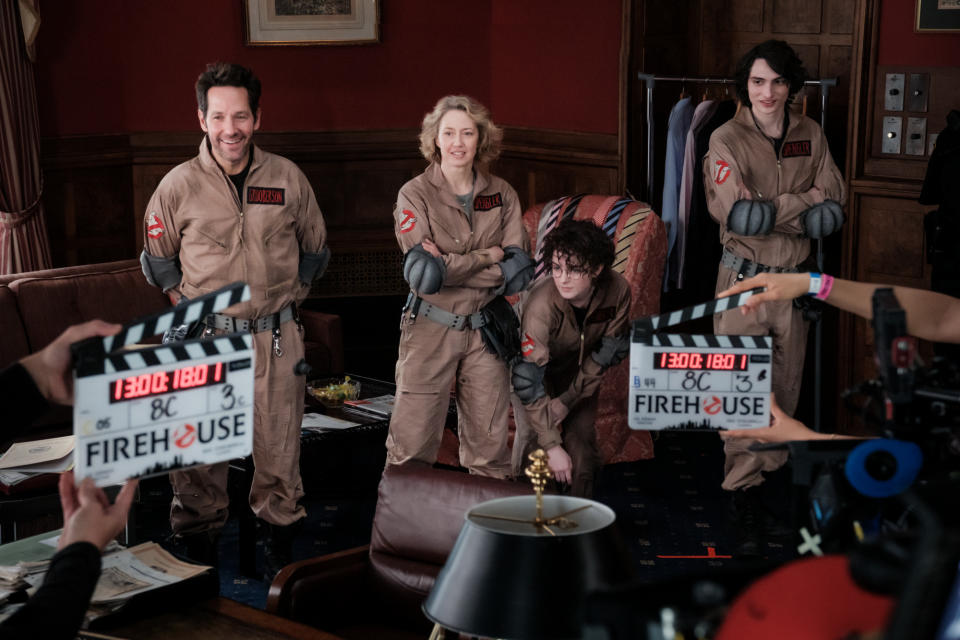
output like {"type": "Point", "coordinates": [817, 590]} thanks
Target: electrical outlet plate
{"type": "Point", "coordinates": [914, 143]}
{"type": "Point", "coordinates": [918, 86]}
{"type": "Point", "coordinates": [893, 92]}
{"type": "Point", "coordinates": [891, 134]}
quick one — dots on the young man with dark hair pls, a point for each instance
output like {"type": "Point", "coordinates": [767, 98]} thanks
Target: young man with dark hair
{"type": "Point", "coordinates": [772, 185]}
{"type": "Point", "coordinates": [236, 212]}
{"type": "Point", "coordinates": [575, 326]}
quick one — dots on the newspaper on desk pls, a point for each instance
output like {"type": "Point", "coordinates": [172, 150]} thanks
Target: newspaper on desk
{"type": "Point", "coordinates": [321, 422]}
{"type": "Point", "coordinates": [381, 406]}
{"type": "Point", "coordinates": [124, 573]}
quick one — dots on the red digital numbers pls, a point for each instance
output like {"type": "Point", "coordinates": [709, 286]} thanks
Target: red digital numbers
{"type": "Point", "coordinates": [706, 361]}
{"type": "Point", "coordinates": [158, 382]}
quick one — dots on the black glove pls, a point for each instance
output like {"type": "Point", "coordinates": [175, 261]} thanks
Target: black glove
{"type": "Point", "coordinates": [517, 267]}
{"type": "Point", "coordinates": [180, 332]}
{"type": "Point", "coordinates": [527, 379]}
{"type": "Point", "coordinates": [612, 351]}
{"type": "Point", "coordinates": [822, 219]}
{"type": "Point", "coordinates": [423, 271]}
{"type": "Point", "coordinates": [751, 217]}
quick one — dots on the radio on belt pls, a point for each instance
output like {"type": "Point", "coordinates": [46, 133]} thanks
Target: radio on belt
{"type": "Point", "coordinates": [681, 381]}
{"type": "Point", "coordinates": [150, 410]}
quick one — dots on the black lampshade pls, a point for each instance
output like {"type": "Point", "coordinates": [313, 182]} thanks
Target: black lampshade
{"type": "Point", "coordinates": [505, 578]}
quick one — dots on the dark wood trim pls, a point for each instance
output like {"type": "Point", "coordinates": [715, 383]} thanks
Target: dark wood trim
{"type": "Point", "coordinates": [163, 148]}
{"type": "Point", "coordinates": [624, 96]}
{"type": "Point", "coordinates": [565, 147]}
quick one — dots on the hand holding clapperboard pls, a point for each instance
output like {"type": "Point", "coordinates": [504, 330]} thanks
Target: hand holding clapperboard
{"type": "Point", "coordinates": [151, 410]}
{"type": "Point", "coordinates": [681, 381]}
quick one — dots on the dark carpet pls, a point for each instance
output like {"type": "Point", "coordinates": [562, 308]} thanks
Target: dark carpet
{"type": "Point", "coordinates": [670, 510]}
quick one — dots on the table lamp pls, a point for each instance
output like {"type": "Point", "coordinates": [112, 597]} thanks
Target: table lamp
{"type": "Point", "coordinates": [521, 566]}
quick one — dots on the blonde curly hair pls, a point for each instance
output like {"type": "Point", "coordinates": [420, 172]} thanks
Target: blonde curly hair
{"type": "Point", "coordinates": [489, 135]}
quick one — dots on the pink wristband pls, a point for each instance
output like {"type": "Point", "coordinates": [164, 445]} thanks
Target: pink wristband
{"type": "Point", "coordinates": [825, 287]}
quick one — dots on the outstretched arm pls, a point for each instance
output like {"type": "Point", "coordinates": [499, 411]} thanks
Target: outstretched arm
{"type": "Point", "coordinates": [930, 315]}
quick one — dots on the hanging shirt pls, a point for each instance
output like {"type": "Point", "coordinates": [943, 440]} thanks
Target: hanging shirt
{"type": "Point", "coordinates": [679, 124]}
{"type": "Point", "coordinates": [702, 113]}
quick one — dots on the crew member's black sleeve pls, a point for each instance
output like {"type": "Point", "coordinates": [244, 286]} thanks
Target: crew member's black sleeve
{"type": "Point", "coordinates": [20, 398]}
{"type": "Point", "coordinates": [56, 610]}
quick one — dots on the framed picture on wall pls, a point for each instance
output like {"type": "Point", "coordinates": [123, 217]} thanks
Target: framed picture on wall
{"type": "Point", "coordinates": [311, 22]}
{"type": "Point", "coordinates": [937, 15]}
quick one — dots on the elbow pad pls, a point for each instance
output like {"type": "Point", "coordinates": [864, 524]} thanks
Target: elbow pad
{"type": "Point", "coordinates": [313, 265]}
{"type": "Point", "coordinates": [422, 271]}
{"type": "Point", "coordinates": [161, 272]}
{"type": "Point", "coordinates": [517, 267]}
{"type": "Point", "coordinates": [612, 351]}
{"type": "Point", "coordinates": [822, 219]}
{"type": "Point", "coordinates": [751, 217]}
{"type": "Point", "coordinates": [527, 379]}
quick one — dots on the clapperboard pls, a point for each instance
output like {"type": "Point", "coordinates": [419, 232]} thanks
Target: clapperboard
{"type": "Point", "coordinates": [147, 411]}
{"type": "Point", "coordinates": [682, 381]}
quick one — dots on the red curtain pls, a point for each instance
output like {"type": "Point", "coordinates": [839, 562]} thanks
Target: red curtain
{"type": "Point", "coordinates": [23, 233]}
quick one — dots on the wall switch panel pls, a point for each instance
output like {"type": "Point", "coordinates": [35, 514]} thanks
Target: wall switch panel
{"type": "Point", "coordinates": [893, 92]}
{"type": "Point", "coordinates": [915, 142]}
{"type": "Point", "coordinates": [918, 86]}
{"type": "Point", "coordinates": [891, 134]}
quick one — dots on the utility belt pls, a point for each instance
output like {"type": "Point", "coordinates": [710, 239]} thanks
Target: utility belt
{"type": "Point", "coordinates": [747, 268]}
{"type": "Point", "coordinates": [264, 323]}
{"type": "Point", "coordinates": [272, 322]}
{"type": "Point", "coordinates": [420, 307]}
{"type": "Point", "coordinates": [497, 322]}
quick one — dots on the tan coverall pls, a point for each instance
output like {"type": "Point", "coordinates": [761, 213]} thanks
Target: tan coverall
{"type": "Point", "coordinates": [431, 355]}
{"type": "Point", "coordinates": [741, 155]}
{"type": "Point", "coordinates": [552, 338]}
{"type": "Point", "coordinates": [196, 216]}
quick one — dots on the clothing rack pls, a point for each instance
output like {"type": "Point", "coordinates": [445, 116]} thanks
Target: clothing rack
{"type": "Point", "coordinates": [651, 80]}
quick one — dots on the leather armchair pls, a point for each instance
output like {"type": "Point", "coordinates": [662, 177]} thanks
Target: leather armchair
{"type": "Point", "coordinates": [375, 591]}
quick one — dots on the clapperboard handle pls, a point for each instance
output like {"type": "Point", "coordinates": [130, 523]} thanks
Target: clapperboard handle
{"type": "Point", "coordinates": [89, 355]}
{"type": "Point", "coordinates": [643, 327]}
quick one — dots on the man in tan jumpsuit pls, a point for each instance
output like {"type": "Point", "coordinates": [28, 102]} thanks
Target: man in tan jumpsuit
{"type": "Point", "coordinates": [236, 212]}
{"type": "Point", "coordinates": [568, 342]}
{"type": "Point", "coordinates": [771, 184]}
{"type": "Point", "coordinates": [460, 254]}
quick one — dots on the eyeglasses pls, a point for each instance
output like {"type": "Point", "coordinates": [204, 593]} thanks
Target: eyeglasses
{"type": "Point", "coordinates": [558, 271]}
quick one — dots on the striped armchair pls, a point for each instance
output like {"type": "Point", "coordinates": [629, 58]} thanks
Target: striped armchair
{"type": "Point", "coordinates": [641, 250]}
{"type": "Point", "coordinates": [640, 240]}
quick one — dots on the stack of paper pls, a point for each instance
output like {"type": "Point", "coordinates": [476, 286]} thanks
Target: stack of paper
{"type": "Point", "coordinates": [379, 406]}
{"type": "Point", "coordinates": [53, 455]}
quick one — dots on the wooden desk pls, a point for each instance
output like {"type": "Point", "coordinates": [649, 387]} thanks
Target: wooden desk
{"type": "Point", "coordinates": [214, 619]}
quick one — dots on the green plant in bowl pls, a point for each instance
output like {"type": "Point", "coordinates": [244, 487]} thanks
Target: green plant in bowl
{"type": "Point", "coordinates": [331, 392]}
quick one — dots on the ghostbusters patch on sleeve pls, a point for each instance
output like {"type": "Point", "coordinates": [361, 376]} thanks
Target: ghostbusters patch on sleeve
{"type": "Point", "coordinates": [526, 347]}
{"type": "Point", "coordinates": [265, 195]}
{"type": "Point", "coordinates": [485, 203]}
{"type": "Point", "coordinates": [721, 171]}
{"type": "Point", "coordinates": [796, 148]}
{"type": "Point", "coordinates": [407, 221]}
{"type": "Point", "coordinates": [154, 226]}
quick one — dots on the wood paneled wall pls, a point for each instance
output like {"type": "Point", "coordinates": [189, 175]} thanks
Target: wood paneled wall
{"type": "Point", "coordinates": [97, 188]}
{"type": "Point", "coordinates": [883, 238]}
{"type": "Point", "coordinates": [705, 38]}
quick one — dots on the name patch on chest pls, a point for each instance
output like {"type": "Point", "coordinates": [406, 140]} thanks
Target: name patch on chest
{"type": "Point", "coordinates": [796, 149]}
{"type": "Point", "coordinates": [265, 195]}
{"type": "Point", "coordinates": [485, 203]}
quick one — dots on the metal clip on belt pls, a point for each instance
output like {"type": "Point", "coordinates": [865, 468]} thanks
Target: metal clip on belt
{"type": "Point", "coordinates": [448, 319]}
{"type": "Point", "coordinates": [266, 323]}
{"type": "Point", "coordinates": [747, 268]}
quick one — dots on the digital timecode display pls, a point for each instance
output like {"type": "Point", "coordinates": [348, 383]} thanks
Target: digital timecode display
{"type": "Point", "coordinates": [700, 361]}
{"type": "Point", "coordinates": [160, 382]}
